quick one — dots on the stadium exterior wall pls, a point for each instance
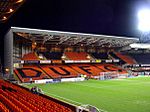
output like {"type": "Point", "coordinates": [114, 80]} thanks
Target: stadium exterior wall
{"type": "Point", "coordinates": [8, 52]}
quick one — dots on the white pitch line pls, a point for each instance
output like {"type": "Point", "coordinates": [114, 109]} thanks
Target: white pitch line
{"type": "Point", "coordinates": [65, 98]}
{"type": "Point", "coordinates": [60, 97]}
{"type": "Point", "coordinates": [70, 100]}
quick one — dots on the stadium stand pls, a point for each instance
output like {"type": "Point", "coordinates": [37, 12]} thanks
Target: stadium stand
{"type": "Point", "coordinates": [112, 54]}
{"type": "Point", "coordinates": [30, 56]}
{"type": "Point", "coordinates": [77, 55]}
{"type": "Point", "coordinates": [59, 71]}
{"type": "Point", "coordinates": [64, 71]}
{"type": "Point", "coordinates": [92, 70]}
{"type": "Point", "coordinates": [31, 72]}
{"type": "Point", "coordinates": [14, 98]}
{"type": "Point", "coordinates": [3, 108]}
{"type": "Point", "coordinates": [86, 69]}
{"type": "Point", "coordinates": [27, 72]}
{"type": "Point", "coordinates": [111, 67]}
{"type": "Point", "coordinates": [125, 58]}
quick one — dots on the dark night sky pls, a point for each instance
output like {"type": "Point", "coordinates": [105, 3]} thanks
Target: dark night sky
{"type": "Point", "coordinates": [110, 17]}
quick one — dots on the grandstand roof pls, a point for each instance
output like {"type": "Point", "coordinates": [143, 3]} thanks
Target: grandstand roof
{"type": "Point", "coordinates": [73, 39]}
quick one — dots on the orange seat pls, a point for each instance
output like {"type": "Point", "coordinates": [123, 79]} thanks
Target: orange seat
{"type": "Point", "coordinates": [21, 100]}
{"type": "Point", "coordinates": [76, 55]}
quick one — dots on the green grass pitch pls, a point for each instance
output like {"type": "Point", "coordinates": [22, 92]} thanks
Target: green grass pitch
{"type": "Point", "coordinates": [124, 95]}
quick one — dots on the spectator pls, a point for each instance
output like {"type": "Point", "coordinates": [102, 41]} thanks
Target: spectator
{"type": "Point", "coordinates": [36, 90]}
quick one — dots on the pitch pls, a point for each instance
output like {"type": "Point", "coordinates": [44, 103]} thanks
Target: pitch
{"type": "Point", "coordinates": [119, 95]}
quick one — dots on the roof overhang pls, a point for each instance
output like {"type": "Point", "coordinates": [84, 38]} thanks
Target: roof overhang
{"type": "Point", "coordinates": [140, 45]}
{"type": "Point", "coordinates": [71, 38]}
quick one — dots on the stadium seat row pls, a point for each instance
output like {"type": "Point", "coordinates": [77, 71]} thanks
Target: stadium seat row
{"type": "Point", "coordinates": [31, 73]}
{"type": "Point", "coordinates": [79, 56]}
{"type": "Point", "coordinates": [16, 99]}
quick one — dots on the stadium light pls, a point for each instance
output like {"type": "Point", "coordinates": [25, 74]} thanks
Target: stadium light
{"type": "Point", "coordinates": [4, 18]}
{"type": "Point", "coordinates": [19, 1]}
{"type": "Point", "coordinates": [144, 20]}
{"type": "Point", "coordinates": [140, 46]}
{"type": "Point", "coordinates": [11, 10]}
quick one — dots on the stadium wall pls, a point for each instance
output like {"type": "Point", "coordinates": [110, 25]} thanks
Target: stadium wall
{"type": "Point", "coordinates": [8, 52]}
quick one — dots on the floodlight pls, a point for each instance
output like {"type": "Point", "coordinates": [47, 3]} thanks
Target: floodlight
{"type": "Point", "coordinates": [4, 17]}
{"type": "Point", "coordinates": [11, 10]}
{"type": "Point", "coordinates": [144, 20]}
{"type": "Point", "coordinates": [140, 46]}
